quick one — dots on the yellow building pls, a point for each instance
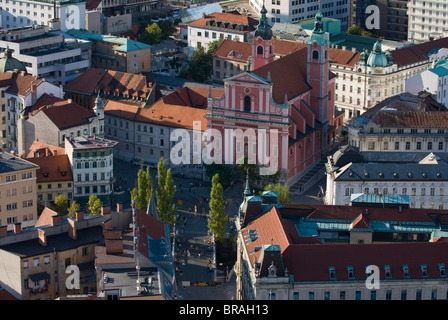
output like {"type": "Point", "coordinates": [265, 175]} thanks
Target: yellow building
{"type": "Point", "coordinates": [17, 191]}
{"type": "Point", "coordinates": [54, 177]}
{"type": "Point", "coordinates": [51, 261]}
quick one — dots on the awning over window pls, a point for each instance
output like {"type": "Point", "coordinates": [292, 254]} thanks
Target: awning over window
{"type": "Point", "coordinates": [39, 276]}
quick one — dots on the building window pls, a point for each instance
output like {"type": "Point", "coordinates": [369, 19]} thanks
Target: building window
{"type": "Point", "coordinates": [260, 50]}
{"type": "Point", "coordinates": [316, 55]}
{"type": "Point", "coordinates": [247, 103]}
{"type": "Point", "coordinates": [419, 145]}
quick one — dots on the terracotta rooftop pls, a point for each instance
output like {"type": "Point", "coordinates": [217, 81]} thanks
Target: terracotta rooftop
{"type": "Point", "coordinates": [110, 82]}
{"type": "Point", "coordinates": [180, 108]}
{"type": "Point", "coordinates": [18, 83]}
{"type": "Point", "coordinates": [407, 111]}
{"type": "Point", "coordinates": [40, 149]}
{"type": "Point", "coordinates": [45, 217]}
{"type": "Point", "coordinates": [148, 226]}
{"type": "Point", "coordinates": [297, 258]}
{"type": "Point", "coordinates": [63, 113]}
{"type": "Point", "coordinates": [241, 51]}
{"type": "Point", "coordinates": [418, 52]}
{"type": "Point", "coordinates": [53, 168]}
{"type": "Point", "coordinates": [230, 22]}
{"type": "Point", "coordinates": [121, 109]}
{"type": "Point", "coordinates": [288, 75]}
{"type": "Point", "coordinates": [309, 260]}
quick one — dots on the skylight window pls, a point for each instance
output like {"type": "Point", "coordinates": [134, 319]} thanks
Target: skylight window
{"type": "Point", "coordinates": [351, 272]}
{"type": "Point", "coordinates": [387, 272]}
{"type": "Point", "coordinates": [442, 270]}
{"type": "Point", "coordinates": [406, 273]}
{"type": "Point", "coordinates": [424, 270]}
{"type": "Point", "coordinates": [332, 272]}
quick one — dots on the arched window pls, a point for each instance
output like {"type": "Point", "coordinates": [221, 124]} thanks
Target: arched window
{"type": "Point", "coordinates": [247, 103]}
{"type": "Point", "coordinates": [270, 49]}
{"type": "Point", "coordinates": [260, 50]}
{"type": "Point", "coordinates": [315, 54]}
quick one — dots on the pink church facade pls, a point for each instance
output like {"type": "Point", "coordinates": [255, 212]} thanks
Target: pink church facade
{"type": "Point", "coordinates": [290, 99]}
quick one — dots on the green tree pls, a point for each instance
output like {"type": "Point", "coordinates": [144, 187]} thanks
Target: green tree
{"type": "Point", "coordinates": [359, 31]}
{"type": "Point", "coordinates": [200, 65]}
{"type": "Point", "coordinates": [152, 34]}
{"type": "Point", "coordinates": [218, 218]}
{"type": "Point", "coordinates": [94, 205]}
{"type": "Point", "coordinates": [143, 191]}
{"type": "Point", "coordinates": [73, 209]}
{"type": "Point", "coordinates": [40, 207]}
{"type": "Point", "coordinates": [282, 189]}
{"type": "Point", "coordinates": [61, 204]}
{"type": "Point", "coordinates": [165, 194]}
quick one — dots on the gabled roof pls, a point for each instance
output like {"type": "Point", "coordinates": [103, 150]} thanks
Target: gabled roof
{"type": "Point", "coordinates": [179, 109]}
{"type": "Point", "coordinates": [53, 168]}
{"type": "Point", "coordinates": [40, 149]}
{"type": "Point", "coordinates": [230, 22]}
{"type": "Point", "coordinates": [19, 83]}
{"type": "Point", "coordinates": [45, 217]}
{"type": "Point", "coordinates": [310, 263]}
{"type": "Point", "coordinates": [288, 75]}
{"type": "Point", "coordinates": [110, 81]}
{"type": "Point", "coordinates": [63, 113]}
{"type": "Point", "coordinates": [360, 223]}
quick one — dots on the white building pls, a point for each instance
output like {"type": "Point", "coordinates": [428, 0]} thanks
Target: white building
{"type": "Point", "coordinates": [91, 160]}
{"type": "Point", "coordinates": [297, 10]}
{"type": "Point", "coordinates": [218, 25]}
{"type": "Point", "coordinates": [378, 75]}
{"type": "Point", "coordinates": [19, 92]}
{"type": "Point", "coordinates": [45, 54]}
{"type": "Point", "coordinates": [427, 19]}
{"type": "Point", "coordinates": [425, 182]}
{"type": "Point", "coordinates": [433, 81]}
{"type": "Point", "coordinates": [71, 14]}
{"type": "Point", "coordinates": [405, 123]}
{"type": "Point", "coordinates": [322, 252]}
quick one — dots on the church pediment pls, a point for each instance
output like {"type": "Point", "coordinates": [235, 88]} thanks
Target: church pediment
{"type": "Point", "coordinates": [247, 77]}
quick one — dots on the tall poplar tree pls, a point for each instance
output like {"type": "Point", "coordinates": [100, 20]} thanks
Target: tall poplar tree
{"type": "Point", "coordinates": [165, 194]}
{"type": "Point", "coordinates": [218, 218]}
{"type": "Point", "coordinates": [142, 194]}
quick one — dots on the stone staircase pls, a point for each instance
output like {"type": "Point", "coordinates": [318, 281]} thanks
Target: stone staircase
{"type": "Point", "coordinates": [308, 179]}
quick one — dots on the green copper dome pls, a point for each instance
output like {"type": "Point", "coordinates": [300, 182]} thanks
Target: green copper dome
{"type": "Point", "coordinates": [318, 34]}
{"type": "Point", "coordinates": [377, 57]}
{"type": "Point", "coordinates": [8, 63]}
{"type": "Point", "coordinates": [263, 29]}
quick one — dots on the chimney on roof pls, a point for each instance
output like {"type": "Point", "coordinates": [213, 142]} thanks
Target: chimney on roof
{"type": "Point", "coordinates": [69, 100]}
{"type": "Point", "coordinates": [72, 228]}
{"type": "Point", "coordinates": [113, 240]}
{"type": "Point", "coordinates": [42, 237]}
{"type": "Point", "coordinates": [56, 220]}
{"type": "Point", "coordinates": [17, 227]}
{"type": "Point", "coordinates": [79, 215]}
{"type": "Point", "coordinates": [105, 210]}
{"type": "Point", "coordinates": [119, 207]}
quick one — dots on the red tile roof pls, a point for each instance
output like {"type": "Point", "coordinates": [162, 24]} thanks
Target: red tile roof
{"type": "Point", "coordinates": [148, 226]}
{"type": "Point", "coordinates": [180, 108]}
{"type": "Point", "coordinates": [417, 53]}
{"type": "Point", "coordinates": [45, 217]}
{"type": "Point", "coordinates": [288, 75]}
{"type": "Point", "coordinates": [121, 109]}
{"type": "Point", "coordinates": [312, 262]}
{"type": "Point", "coordinates": [5, 295]}
{"type": "Point", "coordinates": [309, 260]}
{"type": "Point", "coordinates": [110, 81]}
{"type": "Point", "coordinates": [18, 83]}
{"type": "Point", "coordinates": [226, 17]}
{"type": "Point", "coordinates": [40, 149]}
{"type": "Point", "coordinates": [63, 113]}
{"type": "Point", "coordinates": [53, 168]}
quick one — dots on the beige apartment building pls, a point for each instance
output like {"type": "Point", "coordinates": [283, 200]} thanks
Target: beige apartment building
{"type": "Point", "coordinates": [17, 191]}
